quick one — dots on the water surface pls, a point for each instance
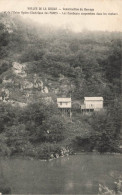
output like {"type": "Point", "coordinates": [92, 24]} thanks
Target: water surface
{"type": "Point", "coordinates": [78, 174]}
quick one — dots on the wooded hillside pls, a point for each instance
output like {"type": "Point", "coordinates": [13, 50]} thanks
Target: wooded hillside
{"type": "Point", "coordinates": [68, 63]}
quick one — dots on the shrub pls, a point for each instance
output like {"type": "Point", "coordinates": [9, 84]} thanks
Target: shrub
{"type": "Point", "coordinates": [49, 150]}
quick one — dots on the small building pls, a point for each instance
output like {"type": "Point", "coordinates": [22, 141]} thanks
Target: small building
{"type": "Point", "coordinates": [92, 104]}
{"type": "Point", "coordinates": [64, 102]}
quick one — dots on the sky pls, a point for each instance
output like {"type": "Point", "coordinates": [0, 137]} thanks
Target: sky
{"type": "Point", "coordinates": [76, 23]}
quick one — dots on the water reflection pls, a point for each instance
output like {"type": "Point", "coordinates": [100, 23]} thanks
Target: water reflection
{"type": "Point", "coordinates": [79, 174]}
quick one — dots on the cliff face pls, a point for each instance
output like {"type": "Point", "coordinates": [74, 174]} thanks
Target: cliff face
{"type": "Point", "coordinates": [20, 84]}
{"type": "Point", "coordinates": [38, 64]}
{"type": "Point", "coordinates": [20, 88]}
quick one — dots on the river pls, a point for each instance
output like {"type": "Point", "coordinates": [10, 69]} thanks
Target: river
{"type": "Point", "coordinates": [78, 174]}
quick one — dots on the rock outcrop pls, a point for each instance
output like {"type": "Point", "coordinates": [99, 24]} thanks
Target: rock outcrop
{"type": "Point", "coordinates": [20, 88]}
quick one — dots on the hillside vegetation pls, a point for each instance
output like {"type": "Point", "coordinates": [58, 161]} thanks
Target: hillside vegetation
{"type": "Point", "coordinates": [57, 63]}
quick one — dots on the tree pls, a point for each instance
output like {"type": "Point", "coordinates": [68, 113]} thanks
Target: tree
{"type": "Point", "coordinates": [52, 129]}
{"type": "Point", "coordinates": [103, 135]}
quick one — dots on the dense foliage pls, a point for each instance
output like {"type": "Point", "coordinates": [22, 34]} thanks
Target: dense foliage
{"type": "Point", "coordinates": [91, 62]}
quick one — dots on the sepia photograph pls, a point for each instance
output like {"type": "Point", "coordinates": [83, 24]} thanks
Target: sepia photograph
{"type": "Point", "coordinates": [60, 97]}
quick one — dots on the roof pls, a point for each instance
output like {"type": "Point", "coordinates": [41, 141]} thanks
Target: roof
{"type": "Point", "coordinates": [93, 98]}
{"type": "Point", "coordinates": [63, 99]}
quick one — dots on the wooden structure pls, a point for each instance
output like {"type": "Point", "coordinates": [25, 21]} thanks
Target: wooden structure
{"type": "Point", "coordinates": [92, 104]}
{"type": "Point", "coordinates": [64, 104]}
